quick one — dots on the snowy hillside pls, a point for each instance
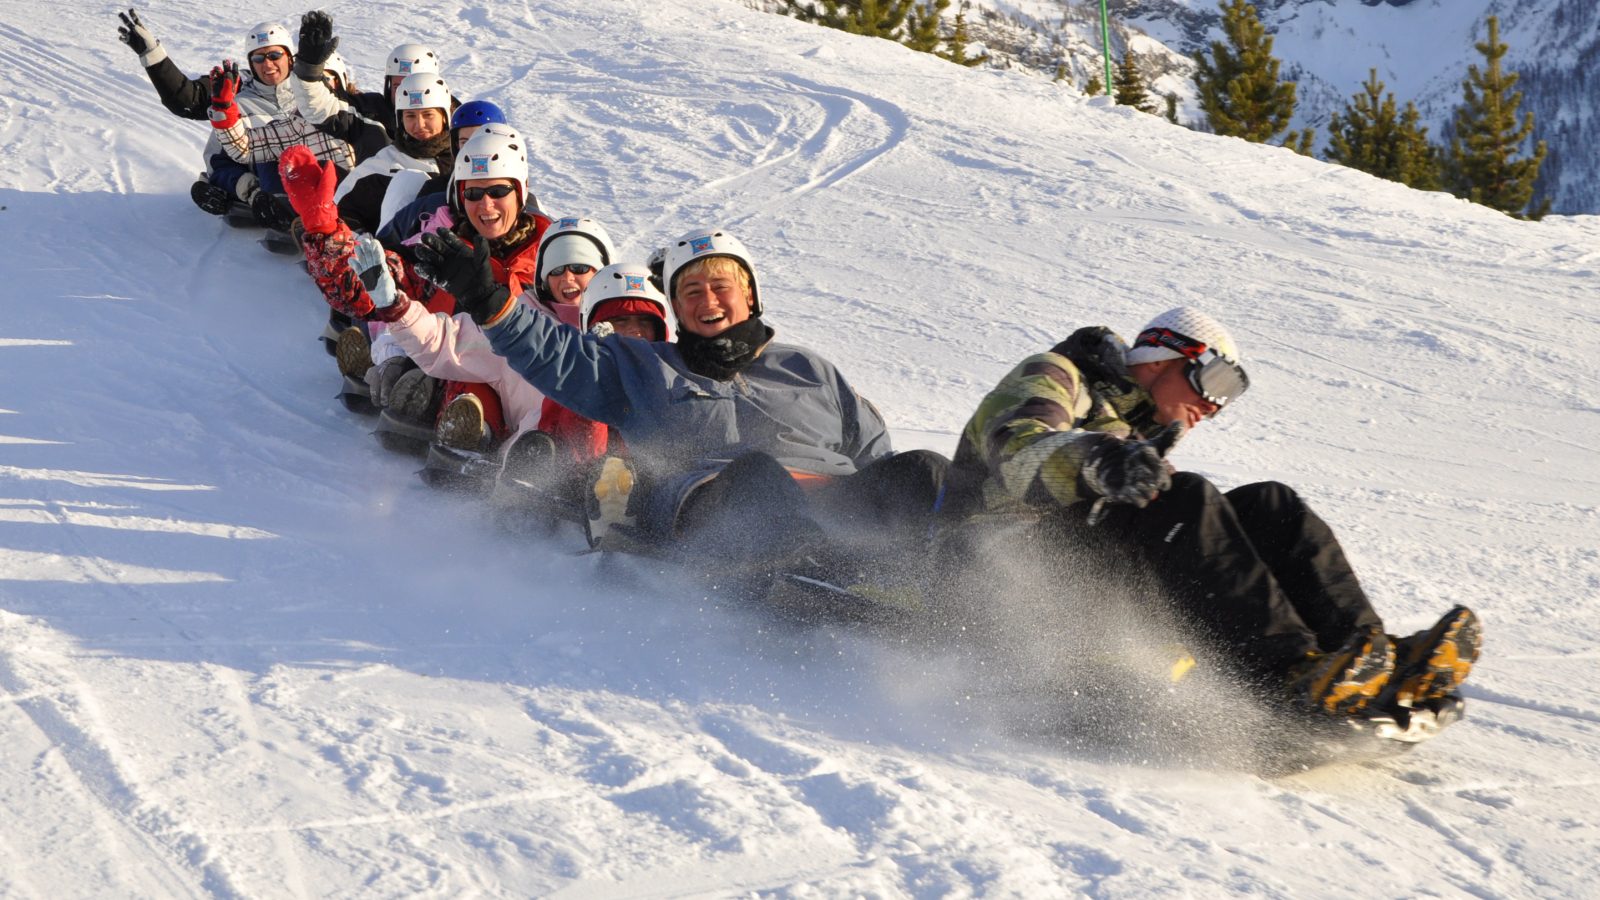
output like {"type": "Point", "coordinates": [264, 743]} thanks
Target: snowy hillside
{"type": "Point", "coordinates": [1421, 49]}
{"type": "Point", "coordinates": [245, 654]}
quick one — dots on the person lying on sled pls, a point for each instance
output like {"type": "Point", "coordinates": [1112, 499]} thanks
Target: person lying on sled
{"type": "Point", "coordinates": [740, 445]}
{"type": "Point", "coordinates": [1079, 433]}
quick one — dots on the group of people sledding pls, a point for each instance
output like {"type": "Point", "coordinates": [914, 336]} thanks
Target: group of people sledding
{"type": "Point", "coordinates": [649, 402]}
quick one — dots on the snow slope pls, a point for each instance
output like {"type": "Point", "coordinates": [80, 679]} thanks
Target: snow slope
{"type": "Point", "coordinates": [243, 653]}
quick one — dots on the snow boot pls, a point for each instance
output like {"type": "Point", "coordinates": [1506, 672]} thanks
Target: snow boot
{"type": "Point", "coordinates": [272, 211]}
{"type": "Point", "coordinates": [1432, 664]}
{"type": "Point", "coordinates": [461, 426]}
{"type": "Point", "coordinates": [1344, 682]}
{"type": "Point", "coordinates": [415, 396]}
{"type": "Point", "coordinates": [210, 198]}
{"type": "Point", "coordinates": [354, 352]}
{"type": "Point", "coordinates": [406, 424]}
{"type": "Point", "coordinates": [528, 461]}
{"type": "Point", "coordinates": [606, 500]}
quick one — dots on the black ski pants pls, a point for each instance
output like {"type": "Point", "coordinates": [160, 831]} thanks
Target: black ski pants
{"type": "Point", "coordinates": [1255, 568]}
{"type": "Point", "coordinates": [755, 508]}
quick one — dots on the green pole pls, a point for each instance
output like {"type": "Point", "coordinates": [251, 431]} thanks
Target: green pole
{"type": "Point", "coordinates": [1105, 41]}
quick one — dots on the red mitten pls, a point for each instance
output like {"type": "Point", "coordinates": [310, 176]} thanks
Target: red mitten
{"type": "Point", "coordinates": [224, 89]}
{"type": "Point", "coordinates": [310, 185]}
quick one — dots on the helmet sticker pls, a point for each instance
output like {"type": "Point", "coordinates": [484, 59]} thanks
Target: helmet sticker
{"type": "Point", "coordinates": [405, 67]}
{"type": "Point", "coordinates": [700, 244]}
{"type": "Point", "coordinates": [261, 38]}
{"type": "Point", "coordinates": [635, 283]}
{"type": "Point", "coordinates": [567, 223]}
{"type": "Point", "coordinates": [480, 165]}
{"type": "Point", "coordinates": [414, 98]}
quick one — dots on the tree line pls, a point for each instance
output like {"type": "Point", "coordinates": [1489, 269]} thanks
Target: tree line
{"type": "Point", "coordinates": [1243, 94]}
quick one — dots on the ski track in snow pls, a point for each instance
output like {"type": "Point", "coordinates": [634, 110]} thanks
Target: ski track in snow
{"type": "Point", "coordinates": [244, 653]}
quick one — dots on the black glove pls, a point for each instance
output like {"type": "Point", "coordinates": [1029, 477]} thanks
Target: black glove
{"type": "Point", "coordinates": [317, 43]}
{"type": "Point", "coordinates": [1129, 472]}
{"type": "Point", "coordinates": [133, 33]}
{"type": "Point", "coordinates": [463, 269]}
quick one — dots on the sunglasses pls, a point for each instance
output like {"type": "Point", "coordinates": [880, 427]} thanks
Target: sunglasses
{"type": "Point", "coordinates": [496, 192]}
{"type": "Point", "coordinates": [1213, 376]}
{"type": "Point", "coordinates": [265, 55]}
{"type": "Point", "coordinates": [574, 268]}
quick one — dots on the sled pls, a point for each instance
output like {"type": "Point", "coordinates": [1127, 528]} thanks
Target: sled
{"type": "Point", "coordinates": [279, 242]}
{"type": "Point", "coordinates": [357, 397]}
{"type": "Point", "coordinates": [239, 215]}
{"type": "Point", "coordinates": [398, 434]}
{"type": "Point", "coordinates": [460, 471]}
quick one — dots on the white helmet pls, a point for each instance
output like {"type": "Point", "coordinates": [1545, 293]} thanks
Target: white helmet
{"type": "Point", "coordinates": [490, 154]}
{"type": "Point", "coordinates": [707, 243]}
{"type": "Point", "coordinates": [410, 59]}
{"type": "Point", "coordinates": [268, 34]}
{"type": "Point", "coordinates": [338, 66]}
{"type": "Point", "coordinates": [424, 91]}
{"type": "Point", "coordinates": [586, 232]}
{"type": "Point", "coordinates": [1185, 321]}
{"type": "Point", "coordinates": [623, 281]}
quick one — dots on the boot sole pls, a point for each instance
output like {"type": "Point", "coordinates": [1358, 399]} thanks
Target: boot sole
{"type": "Point", "coordinates": [461, 426]}
{"type": "Point", "coordinates": [354, 352]}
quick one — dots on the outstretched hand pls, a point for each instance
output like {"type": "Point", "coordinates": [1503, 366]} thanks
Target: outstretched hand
{"type": "Point", "coordinates": [224, 90]}
{"type": "Point", "coordinates": [134, 33]}
{"type": "Point", "coordinates": [465, 272]}
{"type": "Point", "coordinates": [317, 43]}
{"type": "Point", "coordinates": [310, 185]}
{"type": "Point", "coordinates": [371, 265]}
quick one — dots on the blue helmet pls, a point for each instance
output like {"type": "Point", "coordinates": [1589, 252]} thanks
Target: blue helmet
{"type": "Point", "coordinates": [476, 112]}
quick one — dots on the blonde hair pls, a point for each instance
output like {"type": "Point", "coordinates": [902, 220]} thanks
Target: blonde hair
{"type": "Point", "coordinates": [716, 265]}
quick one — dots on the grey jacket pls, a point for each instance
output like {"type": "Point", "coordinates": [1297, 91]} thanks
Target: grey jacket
{"type": "Point", "coordinates": [682, 427]}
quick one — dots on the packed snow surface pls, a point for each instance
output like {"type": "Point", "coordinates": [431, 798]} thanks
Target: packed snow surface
{"type": "Point", "coordinates": [244, 653]}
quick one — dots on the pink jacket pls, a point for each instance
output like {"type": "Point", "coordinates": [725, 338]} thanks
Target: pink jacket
{"type": "Point", "coordinates": [455, 349]}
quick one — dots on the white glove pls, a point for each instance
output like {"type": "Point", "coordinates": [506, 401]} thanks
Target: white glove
{"type": "Point", "coordinates": [372, 267]}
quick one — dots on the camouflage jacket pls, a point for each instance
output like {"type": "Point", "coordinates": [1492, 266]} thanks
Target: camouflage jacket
{"type": "Point", "coordinates": [1022, 450]}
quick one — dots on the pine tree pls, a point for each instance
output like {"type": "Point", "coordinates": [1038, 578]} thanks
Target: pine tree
{"type": "Point", "coordinates": [960, 38]}
{"type": "Point", "coordinates": [922, 26]}
{"type": "Point", "coordinates": [873, 18]}
{"type": "Point", "coordinates": [1238, 85]}
{"type": "Point", "coordinates": [1487, 136]}
{"type": "Point", "coordinates": [1301, 141]}
{"type": "Point", "coordinates": [1373, 137]}
{"type": "Point", "coordinates": [1172, 107]}
{"type": "Point", "coordinates": [1061, 72]}
{"type": "Point", "coordinates": [1128, 82]}
{"type": "Point", "coordinates": [1094, 88]}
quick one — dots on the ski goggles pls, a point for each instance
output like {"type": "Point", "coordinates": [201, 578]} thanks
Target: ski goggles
{"type": "Point", "coordinates": [493, 192]}
{"type": "Point", "coordinates": [265, 55]}
{"type": "Point", "coordinates": [574, 268]}
{"type": "Point", "coordinates": [1214, 377]}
